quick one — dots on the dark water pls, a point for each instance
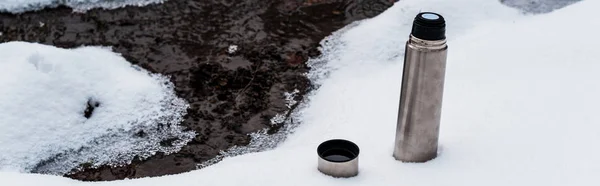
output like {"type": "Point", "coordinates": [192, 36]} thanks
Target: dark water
{"type": "Point", "coordinates": [338, 155]}
{"type": "Point", "coordinates": [231, 94]}
{"type": "Point", "coordinates": [338, 158]}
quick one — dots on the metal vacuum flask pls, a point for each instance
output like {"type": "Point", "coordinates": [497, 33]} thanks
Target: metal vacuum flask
{"type": "Point", "coordinates": [419, 114]}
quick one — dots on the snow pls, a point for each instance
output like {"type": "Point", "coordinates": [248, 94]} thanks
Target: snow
{"type": "Point", "coordinates": [44, 94]}
{"type": "Point", "coordinates": [538, 6]}
{"type": "Point", "coordinates": [519, 105]}
{"type": "Point", "coordinates": [20, 6]}
{"type": "Point", "coordinates": [232, 49]}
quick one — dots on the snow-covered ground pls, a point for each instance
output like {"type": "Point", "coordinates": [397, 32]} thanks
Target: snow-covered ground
{"type": "Point", "coordinates": [519, 105]}
{"type": "Point", "coordinates": [19, 6]}
{"type": "Point", "coordinates": [45, 92]}
{"type": "Point", "coordinates": [538, 6]}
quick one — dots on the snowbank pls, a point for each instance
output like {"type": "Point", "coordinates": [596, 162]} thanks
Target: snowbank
{"type": "Point", "coordinates": [519, 105]}
{"type": "Point", "coordinates": [20, 6]}
{"type": "Point", "coordinates": [87, 106]}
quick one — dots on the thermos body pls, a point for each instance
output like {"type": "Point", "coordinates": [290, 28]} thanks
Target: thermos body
{"type": "Point", "coordinates": [421, 95]}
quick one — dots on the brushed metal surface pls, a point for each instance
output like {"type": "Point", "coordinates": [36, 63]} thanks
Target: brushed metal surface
{"type": "Point", "coordinates": [421, 96]}
{"type": "Point", "coordinates": [339, 169]}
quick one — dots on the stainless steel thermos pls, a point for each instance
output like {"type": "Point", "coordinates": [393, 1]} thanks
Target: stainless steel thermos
{"type": "Point", "coordinates": [420, 106]}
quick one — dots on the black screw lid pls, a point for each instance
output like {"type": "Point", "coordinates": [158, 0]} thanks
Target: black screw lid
{"type": "Point", "coordinates": [429, 26]}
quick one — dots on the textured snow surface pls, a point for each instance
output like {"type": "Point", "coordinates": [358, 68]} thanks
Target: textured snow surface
{"type": "Point", "coordinates": [538, 6]}
{"type": "Point", "coordinates": [519, 105]}
{"type": "Point", "coordinates": [45, 92]}
{"type": "Point", "coordinates": [19, 6]}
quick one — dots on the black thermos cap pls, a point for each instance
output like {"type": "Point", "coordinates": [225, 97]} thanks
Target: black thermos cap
{"type": "Point", "coordinates": [429, 26]}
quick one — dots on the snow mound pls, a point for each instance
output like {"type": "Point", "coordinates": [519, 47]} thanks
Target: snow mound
{"type": "Point", "coordinates": [20, 6]}
{"type": "Point", "coordinates": [62, 108]}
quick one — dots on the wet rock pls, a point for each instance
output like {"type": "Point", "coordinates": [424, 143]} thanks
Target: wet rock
{"type": "Point", "coordinates": [90, 107]}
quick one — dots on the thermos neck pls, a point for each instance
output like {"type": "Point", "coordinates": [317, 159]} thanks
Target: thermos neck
{"type": "Point", "coordinates": [427, 44]}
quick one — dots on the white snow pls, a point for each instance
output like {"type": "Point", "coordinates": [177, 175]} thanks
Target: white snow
{"type": "Point", "coordinates": [519, 105]}
{"type": "Point", "coordinates": [45, 91]}
{"type": "Point", "coordinates": [20, 6]}
{"type": "Point", "coordinates": [232, 49]}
